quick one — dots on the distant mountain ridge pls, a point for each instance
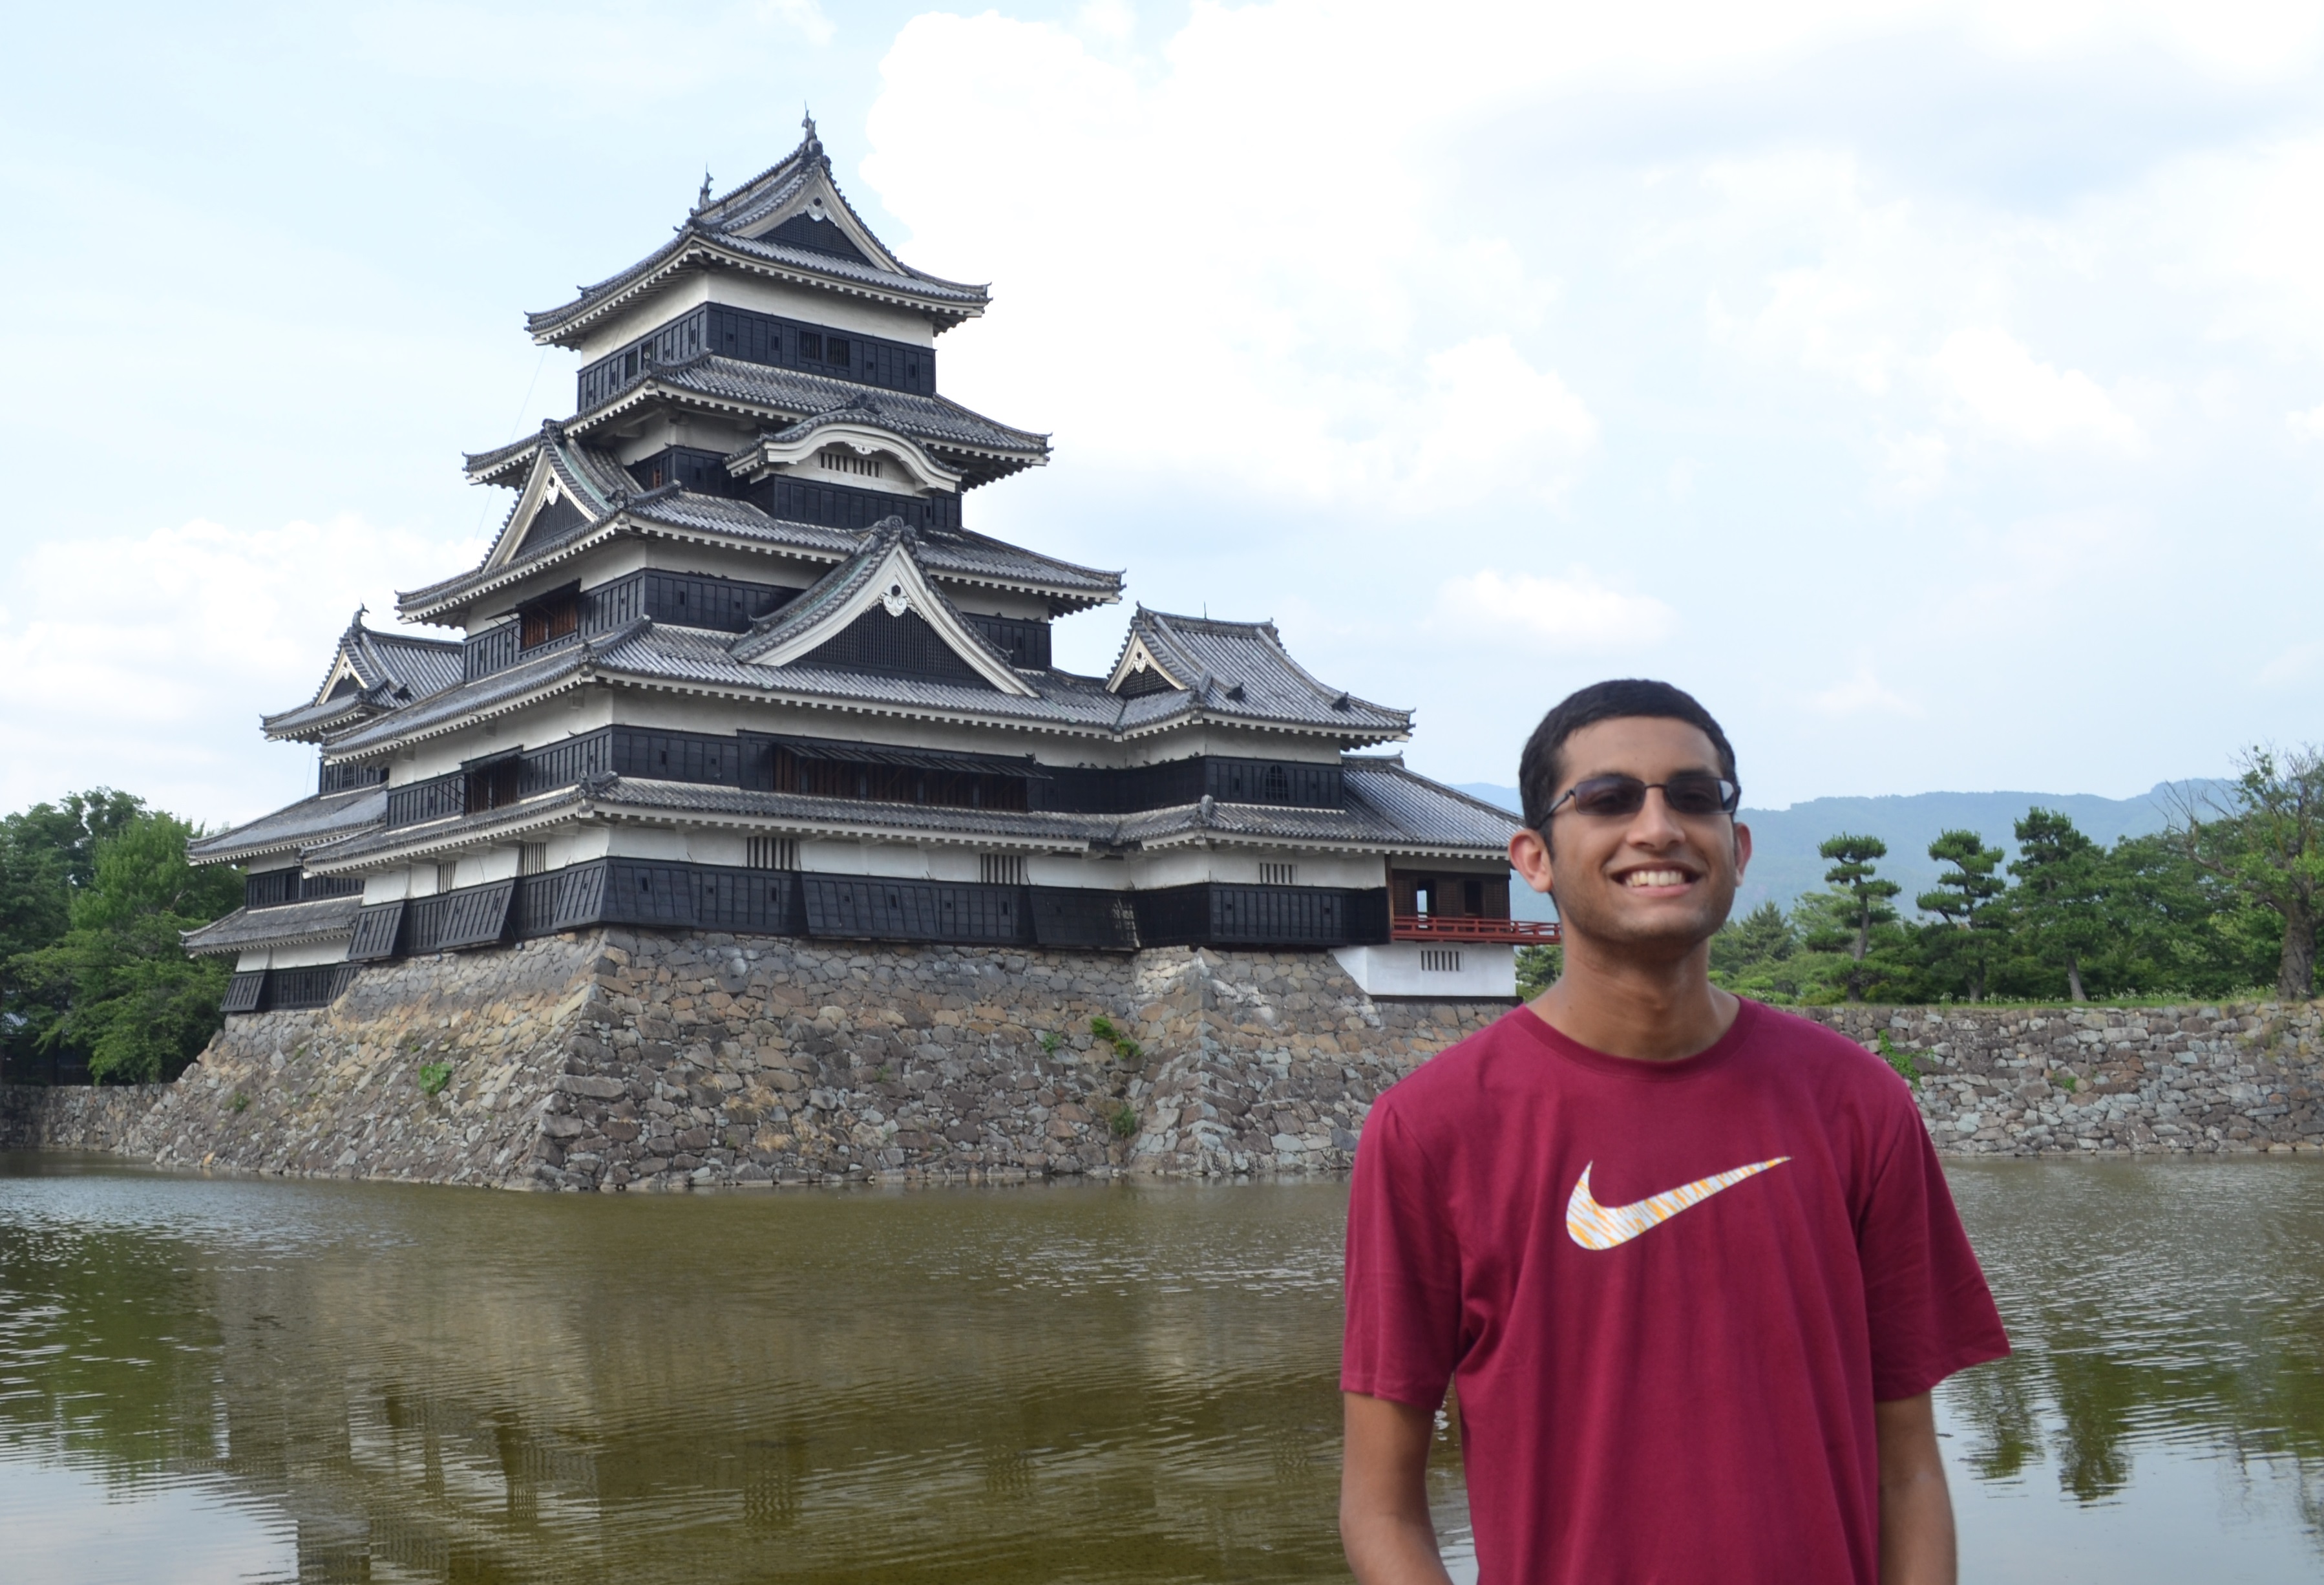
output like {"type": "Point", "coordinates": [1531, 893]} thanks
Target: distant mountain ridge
{"type": "Point", "coordinates": [1784, 862]}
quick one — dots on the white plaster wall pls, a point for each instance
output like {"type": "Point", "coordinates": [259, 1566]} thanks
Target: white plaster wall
{"type": "Point", "coordinates": [252, 960]}
{"type": "Point", "coordinates": [1180, 866]}
{"type": "Point", "coordinates": [1053, 869]}
{"type": "Point", "coordinates": [388, 886]}
{"type": "Point", "coordinates": [646, 842]}
{"type": "Point", "coordinates": [816, 307]}
{"type": "Point", "coordinates": [1394, 969]}
{"type": "Point", "coordinates": [307, 954]}
{"type": "Point", "coordinates": [647, 314]}
{"type": "Point", "coordinates": [718, 847]}
{"type": "Point", "coordinates": [892, 479]}
{"type": "Point", "coordinates": [270, 866]}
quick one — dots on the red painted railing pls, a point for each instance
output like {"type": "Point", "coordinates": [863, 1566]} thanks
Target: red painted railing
{"type": "Point", "coordinates": [1437, 927]}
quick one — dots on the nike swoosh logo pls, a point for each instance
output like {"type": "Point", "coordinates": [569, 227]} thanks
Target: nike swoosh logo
{"type": "Point", "coordinates": [1603, 1227]}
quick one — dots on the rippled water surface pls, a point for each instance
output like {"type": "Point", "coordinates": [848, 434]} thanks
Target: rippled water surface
{"type": "Point", "coordinates": [228, 1379]}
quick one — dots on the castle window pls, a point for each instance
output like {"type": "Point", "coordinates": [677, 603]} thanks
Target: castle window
{"type": "Point", "coordinates": [773, 852]}
{"type": "Point", "coordinates": [531, 858]}
{"type": "Point", "coordinates": [1001, 869]}
{"type": "Point", "coordinates": [557, 616]}
{"type": "Point", "coordinates": [1440, 960]}
{"type": "Point", "coordinates": [811, 346]}
{"type": "Point", "coordinates": [1278, 875]}
{"type": "Point", "coordinates": [837, 353]}
{"type": "Point", "coordinates": [447, 874]}
{"type": "Point", "coordinates": [837, 461]}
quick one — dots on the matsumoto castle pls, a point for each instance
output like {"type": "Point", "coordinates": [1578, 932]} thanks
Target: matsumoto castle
{"type": "Point", "coordinates": [739, 662]}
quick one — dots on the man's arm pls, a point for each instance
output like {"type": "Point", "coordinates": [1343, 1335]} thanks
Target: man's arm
{"type": "Point", "coordinates": [1383, 1523]}
{"type": "Point", "coordinates": [1916, 1510]}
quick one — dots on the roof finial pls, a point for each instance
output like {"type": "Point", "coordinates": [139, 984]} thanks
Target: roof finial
{"type": "Point", "coordinates": [703, 202]}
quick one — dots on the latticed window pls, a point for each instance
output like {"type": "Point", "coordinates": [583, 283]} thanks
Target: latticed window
{"type": "Point", "coordinates": [1001, 869]}
{"type": "Point", "coordinates": [773, 853]}
{"type": "Point", "coordinates": [531, 858]}
{"type": "Point", "coordinates": [1278, 875]}
{"type": "Point", "coordinates": [1440, 960]}
{"type": "Point", "coordinates": [447, 874]}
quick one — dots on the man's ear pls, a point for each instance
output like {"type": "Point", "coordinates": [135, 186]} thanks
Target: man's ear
{"type": "Point", "coordinates": [1742, 848]}
{"type": "Point", "coordinates": [1529, 857]}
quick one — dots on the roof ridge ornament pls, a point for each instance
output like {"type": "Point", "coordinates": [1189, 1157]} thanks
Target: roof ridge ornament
{"type": "Point", "coordinates": [703, 201]}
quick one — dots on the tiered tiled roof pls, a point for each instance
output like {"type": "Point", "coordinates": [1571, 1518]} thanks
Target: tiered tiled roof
{"type": "Point", "coordinates": [1236, 674]}
{"type": "Point", "coordinates": [369, 673]}
{"type": "Point", "coordinates": [730, 232]}
{"type": "Point", "coordinates": [292, 828]}
{"type": "Point", "coordinates": [322, 919]}
{"type": "Point", "coordinates": [1389, 809]}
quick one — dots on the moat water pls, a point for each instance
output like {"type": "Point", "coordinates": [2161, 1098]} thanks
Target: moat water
{"type": "Point", "coordinates": [254, 1380]}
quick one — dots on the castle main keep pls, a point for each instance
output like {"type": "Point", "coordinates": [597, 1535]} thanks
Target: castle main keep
{"type": "Point", "coordinates": [739, 666]}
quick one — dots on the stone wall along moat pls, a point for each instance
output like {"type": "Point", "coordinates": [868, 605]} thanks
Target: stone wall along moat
{"type": "Point", "coordinates": [623, 1059]}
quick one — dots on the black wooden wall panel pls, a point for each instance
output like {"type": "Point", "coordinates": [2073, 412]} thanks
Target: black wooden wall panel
{"type": "Point", "coordinates": [437, 798]}
{"type": "Point", "coordinates": [472, 916]}
{"type": "Point", "coordinates": [677, 756]}
{"type": "Point", "coordinates": [762, 339]}
{"type": "Point", "coordinates": [242, 992]}
{"type": "Point", "coordinates": [315, 987]}
{"type": "Point", "coordinates": [641, 892]}
{"type": "Point", "coordinates": [893, 646]}
{"type": "Point", "coordinates": [569, 760]}
{"type": "Point", "coordinates": [1222, 913]}
{"type": "Point", "coordinates": [915, 911]}
{"type": "Point", "coordinates": [271, 889]}
{"type": "Point", "coordinates": [1283, 784]}
{"type": "Point", "coordinates": [493, 649]}
{"type": "Point", "coordinates": [793, 499]}
{"type": "Point", "coordinates": [1025, 641]}
{"type": "Point", "coordinates": [765, 902]}
{"type": "Point", "coordinates": [1074, 916]}
{"type": "Point", "coordinates": [379, 932]}
{"type": "Point", "coordinates": [348, 778]}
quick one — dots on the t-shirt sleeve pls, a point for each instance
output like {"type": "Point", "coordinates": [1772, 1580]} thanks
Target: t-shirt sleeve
{"type": "Point", "coordinates": [1925, 1297]}
{"type": "Point", "coordinates": [1403, 1283]}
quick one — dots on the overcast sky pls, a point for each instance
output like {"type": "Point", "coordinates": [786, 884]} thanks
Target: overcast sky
{"type": "Point", "coordinates": [1937, 390]}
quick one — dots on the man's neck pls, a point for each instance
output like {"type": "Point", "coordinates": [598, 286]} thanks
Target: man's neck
{"type": "Point", "coordinates": [1651, 1011]}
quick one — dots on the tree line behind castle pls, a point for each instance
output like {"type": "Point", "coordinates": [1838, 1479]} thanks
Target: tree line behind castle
{"type": "Point", "coordinates": [2224, 901]}
{"type": "Point", "coordinates": [95, 890]}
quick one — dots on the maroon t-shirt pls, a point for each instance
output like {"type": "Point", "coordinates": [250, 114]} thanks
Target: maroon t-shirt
{"type": "Point", "coordinates": [1669, 1293]}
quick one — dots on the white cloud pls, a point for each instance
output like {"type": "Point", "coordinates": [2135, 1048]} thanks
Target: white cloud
{"type": "Point", "coordinates": [158, 685]}
{"type": "Point", "coordinates": [1996, 382]}
{"type": "Point", "coordinates": [1575, 614]}
{"type": "Point", "coordinates": [2308, 424]}
{"type": "Point", "coordinates": [1863, 694]}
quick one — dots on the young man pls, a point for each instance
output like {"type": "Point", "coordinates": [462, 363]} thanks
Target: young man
{"type": "Point", "coordinates": [1690, 1261]}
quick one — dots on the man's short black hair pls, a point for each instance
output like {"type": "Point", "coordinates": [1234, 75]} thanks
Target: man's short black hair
{"type": "Point", "coordinates": [1541, 767]}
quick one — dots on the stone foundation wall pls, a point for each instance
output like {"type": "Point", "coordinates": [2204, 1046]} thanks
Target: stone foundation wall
{"type": "Point", "coordinates": [2140, 1081]}
{"type": "Point", "coordinates": [618, 1059]}
{"type": "Point", "coordinates": [73, 1116]}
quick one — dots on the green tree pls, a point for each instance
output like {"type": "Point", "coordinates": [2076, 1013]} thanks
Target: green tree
{"type": "Point", "coordinates": [2057, 901]}
{"type": "Point", "coordinates": [1965, 902]}
{"type": "Point", "coordinates": [1758, 956]}
{"type": "Point", "coordinates": [1864, 905]}
{"type": "Point", "coordinates": [48, 855]}
{"type": "Point", "coordinates": [2267, 840]}
{"type": "Point", "coordinates": [118, 985]}
{"type": "Point", "coordinates": [1538, 968]}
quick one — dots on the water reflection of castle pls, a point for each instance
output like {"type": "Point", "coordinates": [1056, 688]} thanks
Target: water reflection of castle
{"type": "Point", "coordinates": [735, 662]}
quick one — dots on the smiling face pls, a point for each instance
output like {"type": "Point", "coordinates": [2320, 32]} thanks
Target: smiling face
{"type": "Point", "coordinates": [1653, 884]}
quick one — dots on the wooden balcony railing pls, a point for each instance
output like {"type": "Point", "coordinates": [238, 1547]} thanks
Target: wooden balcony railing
{"type": "Point", "coordinates": [1438, 927]}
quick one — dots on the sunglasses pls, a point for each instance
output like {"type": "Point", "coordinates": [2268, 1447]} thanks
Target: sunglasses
{"type": "Point", "coordinates": [1691, 792]}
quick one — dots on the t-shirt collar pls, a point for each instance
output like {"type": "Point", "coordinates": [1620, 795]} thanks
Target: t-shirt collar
{"type": "Point", "coordinates": [1564, 1048]}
